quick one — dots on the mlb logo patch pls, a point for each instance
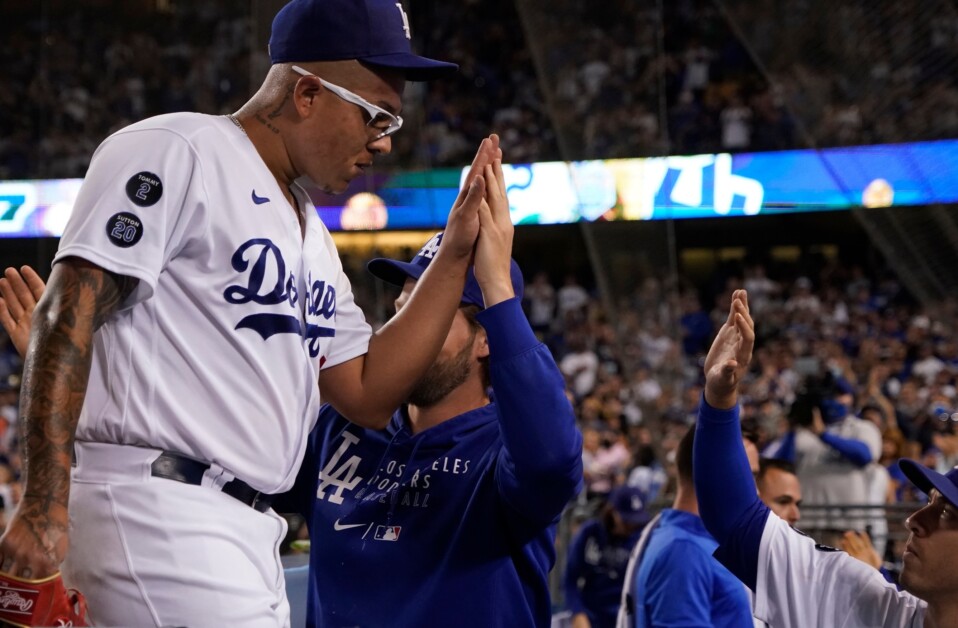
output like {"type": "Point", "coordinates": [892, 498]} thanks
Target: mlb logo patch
{"type": "Point", "coordinates": [387, 533]}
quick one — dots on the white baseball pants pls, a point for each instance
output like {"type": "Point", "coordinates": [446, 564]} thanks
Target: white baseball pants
{"type": "Point", "coordinates": [149, 551]}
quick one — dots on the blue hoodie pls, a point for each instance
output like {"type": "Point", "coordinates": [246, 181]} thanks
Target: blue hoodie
{"type": "Point", "coordinates": [454, 526]}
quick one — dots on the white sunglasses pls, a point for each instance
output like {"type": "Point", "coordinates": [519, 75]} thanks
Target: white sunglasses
{"type": "Point", "coordinates": [379, 119]}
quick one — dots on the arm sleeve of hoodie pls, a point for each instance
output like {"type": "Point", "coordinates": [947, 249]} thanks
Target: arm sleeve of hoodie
{"type": "Point", "coordinates": [540, 468]}
{"type": "Point", "coordinates": [855, 451]}
{"type": "Point", "coordinates": [570, 580]}
{"type": "Point", "coordinates": [728, 502]}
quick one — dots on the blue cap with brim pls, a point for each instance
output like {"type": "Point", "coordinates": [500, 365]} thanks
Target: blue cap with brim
{"type": "Point", "coordinates": [629, 502]}
{"type": "Point", "coordinates": [927, 479]}
{"type": "Point", "coordinates": [396, 272]}
{"type": "Point", "coordinates": [375, 32]}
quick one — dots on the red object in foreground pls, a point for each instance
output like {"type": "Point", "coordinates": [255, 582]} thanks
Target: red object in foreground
{"type": "Point", "coordinates": [40, 602]}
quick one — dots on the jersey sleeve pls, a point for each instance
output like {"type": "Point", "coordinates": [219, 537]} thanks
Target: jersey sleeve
{"type": "Point", "coordinates": [142, 193]}
{"type": "Point", "coordinates": [678, 591]}
{"type": "Point", "coordinates": [540, 467]}
{"type": "Point", "coordinates": [802, 584]}
{"type": "Point", "coordinates": [352, 330]}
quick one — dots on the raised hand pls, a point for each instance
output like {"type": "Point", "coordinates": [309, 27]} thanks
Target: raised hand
{"type": "Point", "coordinates": [730, 354]}
{"type": "Point", "coordinates": [462, 226]}
{"type": "Point", "coordinates": [19, 293]}
{"type": "Point", "coordinates": [494, 246]}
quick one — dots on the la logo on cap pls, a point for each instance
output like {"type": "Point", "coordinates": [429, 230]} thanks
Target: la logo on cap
{"type": "Point", "coordinates": [429, 249]}
{"type": "Point", "coordinates": [405, 20]}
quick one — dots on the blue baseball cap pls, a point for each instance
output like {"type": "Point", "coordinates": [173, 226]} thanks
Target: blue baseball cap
{"type": "Point", "coordinates": [629, 502]}
{"type": "Point", "coordinates": [927, 479]}
{"type": "Point", "coordinates": [375, 32]}
{"type": "Point", "coordinates": [395, 272]}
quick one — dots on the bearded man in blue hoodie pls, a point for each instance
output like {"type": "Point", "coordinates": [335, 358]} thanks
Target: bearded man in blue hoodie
{"type": "Point", "coordinates": [448, 516]}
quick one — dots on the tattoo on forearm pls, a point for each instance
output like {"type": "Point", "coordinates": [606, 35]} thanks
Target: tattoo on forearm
{"type": "Point", "coordinates": [78, 301]}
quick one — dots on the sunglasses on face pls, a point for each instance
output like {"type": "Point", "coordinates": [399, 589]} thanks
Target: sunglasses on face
{"type": "Point", "coordinates": [379, 119]}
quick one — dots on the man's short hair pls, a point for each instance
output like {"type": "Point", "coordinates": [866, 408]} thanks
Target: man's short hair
{"type": "Point", "coordinates": [765, 464]}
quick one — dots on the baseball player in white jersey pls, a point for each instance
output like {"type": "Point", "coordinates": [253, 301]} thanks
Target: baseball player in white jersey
{"type": "Point", "coordinates": [797, 583]}
{"type": "Point", "coordinates": [193, 302]}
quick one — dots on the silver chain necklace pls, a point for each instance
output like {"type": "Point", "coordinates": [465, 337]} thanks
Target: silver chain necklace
{"type": "Point", "coordinates": [236, 122]}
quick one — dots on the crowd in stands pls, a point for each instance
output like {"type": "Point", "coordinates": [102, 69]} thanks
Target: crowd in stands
{"type": "Point", "coordinates": [76, 73]}
{"type": "Point", "coordinates": [560, 80]}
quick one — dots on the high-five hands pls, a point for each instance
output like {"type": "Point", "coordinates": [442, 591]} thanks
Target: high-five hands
{"type": "Point", "coordinates": [730, 354]}
{"type": "Point", "coordinates": [494, 246]}
{"type": "Point", "coordinates": [462, 226]}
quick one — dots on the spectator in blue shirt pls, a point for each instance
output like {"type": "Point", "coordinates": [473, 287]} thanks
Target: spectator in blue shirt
{"type": "Point", "coordinates": [674, 580]}
{"type": "Point", "coordinates": [598, 558]}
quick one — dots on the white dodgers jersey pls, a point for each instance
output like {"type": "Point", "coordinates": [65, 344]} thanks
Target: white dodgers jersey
{"type": "Point", "coordinates": [801, 584]}
{"type": "Point", "coordinates": [217, 353]}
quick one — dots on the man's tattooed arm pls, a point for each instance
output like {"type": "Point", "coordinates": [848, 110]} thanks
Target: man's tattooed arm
{"type": "Point", "coordinates": [79, 298]}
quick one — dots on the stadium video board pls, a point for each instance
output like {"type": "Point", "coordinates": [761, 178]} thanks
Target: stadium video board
{"type": "Point", "coordinates": [655, 188]}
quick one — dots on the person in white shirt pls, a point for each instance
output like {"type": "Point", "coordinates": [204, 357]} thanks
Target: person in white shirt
{"type": "Point", "coordinates": [542, 302]}
{"type": "Point", "coordinates": [832, 450]}
{"type": "Point", "coordinates": [572, 298]}
{"type": "Point", "coordinates": [797, 583]}
{"type": "Point", "coordinates": [580, 366]}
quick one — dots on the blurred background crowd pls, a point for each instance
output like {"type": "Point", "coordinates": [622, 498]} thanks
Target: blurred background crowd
{"type": "Point", "coordinates": [560, 80]}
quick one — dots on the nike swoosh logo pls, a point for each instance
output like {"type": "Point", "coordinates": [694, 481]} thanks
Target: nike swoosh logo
{"type": "Point", "coordinates": [259, 200]}
{"type": "Point", "coordinates": [345, 526]}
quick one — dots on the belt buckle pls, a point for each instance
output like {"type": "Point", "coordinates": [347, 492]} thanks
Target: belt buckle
{"type": "Point", "coordinates": [256, 503]}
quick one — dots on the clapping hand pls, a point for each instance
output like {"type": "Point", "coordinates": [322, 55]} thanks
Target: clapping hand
{"type": "Point", "coordinates": [494, 246]}
{"type": "Point", "coordinates": [462, 226]}
{"type": "Point", "coordinates": [730, 354]}
{"type": "Point", "coordinates": [19, 293]}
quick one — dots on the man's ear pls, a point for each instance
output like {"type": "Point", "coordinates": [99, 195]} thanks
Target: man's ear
{"type": "Point", "coordinates": [305, 95]}
{"type": "Point", "coordinates": [481, 344]}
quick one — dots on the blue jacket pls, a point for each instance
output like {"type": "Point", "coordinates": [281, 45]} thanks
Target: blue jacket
{"type": "Point", "coordinates": [595, 572]}
{"type": "Point", "coordinates": [454, 526]}
{"type": "Point", "coordinates": [678, 583]}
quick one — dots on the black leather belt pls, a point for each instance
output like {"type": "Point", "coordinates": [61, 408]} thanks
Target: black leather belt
{"type": "Point", "coordinates": [174, 466]}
